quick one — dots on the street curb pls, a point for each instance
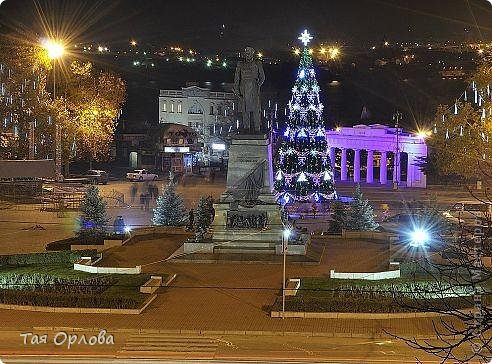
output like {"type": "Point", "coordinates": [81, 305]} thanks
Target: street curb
{"type": "Point", "coordinates": [217, 332]}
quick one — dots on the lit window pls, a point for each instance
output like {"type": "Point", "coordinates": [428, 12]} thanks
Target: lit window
{"type": "Point", "coordinates": [211, 109]}
{"type": "Point", "coordinates": [179, 107]}
{"type": "Point", "coordinates": [164, 106]}
{"type": "Point", "coordinates": [172, 106]}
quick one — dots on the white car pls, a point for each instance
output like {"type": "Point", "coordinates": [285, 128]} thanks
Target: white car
{"type": "Point", "coordinates": [141, 175]}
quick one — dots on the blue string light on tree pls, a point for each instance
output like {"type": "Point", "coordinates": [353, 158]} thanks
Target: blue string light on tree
{"type": "Point", "coordinates": [304, 171]}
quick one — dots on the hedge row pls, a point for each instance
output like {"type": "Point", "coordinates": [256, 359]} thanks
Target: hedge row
{"type": "Point", "coordinates": [47, 283]}
{"type": "Point", "coordinates": [28, 298]}
{"type": "Point", "coordinates": [65, 244]}
{"type": "Point", "coordinates": [46, 258]}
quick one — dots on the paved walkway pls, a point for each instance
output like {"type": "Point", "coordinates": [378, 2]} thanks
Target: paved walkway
{"type": "Point", "coordinates": [229, 296]}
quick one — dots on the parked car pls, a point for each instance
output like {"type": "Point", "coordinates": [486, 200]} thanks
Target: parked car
{"type": "Point", "coordinates": [469, 211]}
{"type": "Point", "coordinates": [97, 176]}
{"type": "Point", "coordinates": [141, 175]}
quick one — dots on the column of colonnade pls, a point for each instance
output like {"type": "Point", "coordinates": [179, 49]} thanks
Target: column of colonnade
{"type": "Point", "coordinates": [413, 171]}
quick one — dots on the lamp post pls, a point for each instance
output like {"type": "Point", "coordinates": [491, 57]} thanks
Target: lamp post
{"type": "Point", "coordinates": [285, 242]}
{"type": "Point", "coordinates": [55, 50]}
{"type": "Point", "coordinates": [397, 117]}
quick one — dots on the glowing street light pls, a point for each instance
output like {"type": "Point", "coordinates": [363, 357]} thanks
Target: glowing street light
{"type": "Point", "coordinates": [260, 55]}
{"type": "Point", "coordinates": [297, 51]}
{"type": "Point", "coordinates": [418, 237]}
{"type": "Point", "coordinates": [54, 48]}
{"type": "Point", "coordinates": [285, 242]}
{"type": "Point", "coordinates": [133, 42]}
{"type": "Point", "coordinates": [422, 134]}
{"type": "Point", "coordinates": [386, 43]}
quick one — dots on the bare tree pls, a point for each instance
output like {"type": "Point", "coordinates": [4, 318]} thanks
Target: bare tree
{"type": "Point", "coordinates": [461, 292]}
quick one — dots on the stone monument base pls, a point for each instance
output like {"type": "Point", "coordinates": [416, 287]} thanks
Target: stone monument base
{"type": "Point", "coordinates": [247, 218]}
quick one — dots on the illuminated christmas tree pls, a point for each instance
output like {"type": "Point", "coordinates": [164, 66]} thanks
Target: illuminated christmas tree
{"type": "Point", "coordinates": [304, 170]}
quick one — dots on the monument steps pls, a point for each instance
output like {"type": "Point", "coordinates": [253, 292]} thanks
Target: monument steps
{"type": "Point", "coordinates": [244, 250]}
{"type": "Point", "coordinates": [244, 244]}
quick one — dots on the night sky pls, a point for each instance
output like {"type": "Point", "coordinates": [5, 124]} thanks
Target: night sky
{"type": "Point", "coordinates": [263, 24]}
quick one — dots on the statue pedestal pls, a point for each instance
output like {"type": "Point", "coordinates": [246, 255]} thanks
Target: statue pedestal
{"type": "Point", "coordinates": [242, 224]}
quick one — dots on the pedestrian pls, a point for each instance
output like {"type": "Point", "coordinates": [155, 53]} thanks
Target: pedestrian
{"type": "Point", "coordinates": [156, 191]}
{"type": "Point", "coordinates": [133, 191]}
{"type": "Point", "coordinates": [142, 201]}
{"type": "Point", "coordinates": [147, 201]}
{"type": "Point", "coordinates": [191, 219]}
{"type": "Point", "coordinates": [119, 225]}
{"type": "Point", "coordinates": [212, 175]}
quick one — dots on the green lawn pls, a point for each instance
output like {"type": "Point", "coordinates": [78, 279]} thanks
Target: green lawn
{"type": "Point", "coordinates": [122, 287]}
{"type": "Point", "coordinates": [318, 294]}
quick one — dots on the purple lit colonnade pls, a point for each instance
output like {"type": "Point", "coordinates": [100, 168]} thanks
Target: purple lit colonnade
{"type": "Point", "coordinates": [379, 141]}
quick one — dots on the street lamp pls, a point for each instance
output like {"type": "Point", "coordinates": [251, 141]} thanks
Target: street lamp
{"type": "Point", "coordinates": [419, 237]}
{"type": "Point", "coordinates": [285, 242]}
{"type": "Point", "coordinates": [397, 117]}
{"type": "Point", "coordinates": [55, 50]}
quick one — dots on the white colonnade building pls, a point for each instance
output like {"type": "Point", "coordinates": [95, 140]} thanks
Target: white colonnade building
{"type": "Point", "coordinates": [379, 144]}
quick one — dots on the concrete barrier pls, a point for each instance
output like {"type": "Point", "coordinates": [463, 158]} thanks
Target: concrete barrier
{"type": "Point", "coordinates": [86, 265]}
{"type": "Point", "coordinates": [130, 311]}
{"type": "Point", "coordinates": [292, 286]}
{"type": "Point", "coordinates": [152, 285]}
{"type": "Point", "coordinates": [180, 230]}
{"type": "Point", "coordinates": [110, 243]}
{"type": "Point", "coordinates": [354, 315]}
{"type": "Point", "coordinates": [367, 276]}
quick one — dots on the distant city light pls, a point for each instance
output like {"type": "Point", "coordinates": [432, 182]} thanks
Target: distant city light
{"type": "Point", "coordinates": [297, 51]}
{"type": "Point", "coordinates": [218, 146]}
{"type": "Point", "coordinates": [133, 43]}
{"type": "Point", "coordinates": [224, 64]}
{"type": "Point", "coordinates": [100, 48]}
{"type": "Point", "coordinates": [260, 55]}
{"type": "Point", "coordinates": [209, 63]}
{"type": "Point", "coordinates": [386, 43]}
{"type": "Point", "coordinates": [334, 52]}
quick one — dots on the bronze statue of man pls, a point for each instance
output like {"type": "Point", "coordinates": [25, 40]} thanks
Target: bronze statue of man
{"type": "Point", "coordinates": [247, 82]}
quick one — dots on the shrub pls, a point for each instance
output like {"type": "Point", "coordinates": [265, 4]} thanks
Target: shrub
{"type": "Point", "coordinates": [46, 283]}
{"type": "Point", "coordinates": [50, 299]}
{"type": "Point", "coordinates": [93, 222]}
{"type": "Point", "coordinates": [68, 257]}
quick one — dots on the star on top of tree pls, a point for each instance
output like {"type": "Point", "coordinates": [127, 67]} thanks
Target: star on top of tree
{"type": "Point", "coordinates": [305, 37]}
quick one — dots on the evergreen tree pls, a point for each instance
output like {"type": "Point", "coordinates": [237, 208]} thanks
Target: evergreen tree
{"type": "Point", "coordinates": [204, 216]}
{"type": "Point", "coordinates": [304, 171]}
{"type": "Point", "coordinates": [170, 209]}
{"type": "Point", "coordinates": [338, 216]}
{"type": "Point", "coordinates": [360, 216]}
{"type": "Point", "coordinates": [94, 220]}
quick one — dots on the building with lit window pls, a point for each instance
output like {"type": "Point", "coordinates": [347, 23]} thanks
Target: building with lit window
{"type": "Point", "coordinates": [211, 114]}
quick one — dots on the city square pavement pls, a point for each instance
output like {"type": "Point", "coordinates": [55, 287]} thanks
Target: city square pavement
{"type": "Point", "coordinates": [224, 296]}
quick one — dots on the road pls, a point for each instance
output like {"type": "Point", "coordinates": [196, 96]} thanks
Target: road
{"type": "Point", "coordinates": [212, 349]}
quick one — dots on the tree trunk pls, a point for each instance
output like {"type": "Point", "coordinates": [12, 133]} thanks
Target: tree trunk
{"type": "Point", "coordinates": [67, 168]}
{"type": "Point", "coordinates": [90, 163]}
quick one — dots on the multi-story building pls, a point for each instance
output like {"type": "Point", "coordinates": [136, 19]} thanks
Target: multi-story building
{"type": "Point", "coordinates": [211, 114]}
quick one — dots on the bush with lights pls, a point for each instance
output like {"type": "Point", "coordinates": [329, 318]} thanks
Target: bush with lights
{"type": "Point", "coordinates": [304, 170]}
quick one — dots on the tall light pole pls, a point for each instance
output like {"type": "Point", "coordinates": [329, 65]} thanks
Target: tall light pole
{"type": "Point", "coordinates": [285, 242]}
{"type": "Point", "coordinates": [397, 117]}
{"type": "Point", "coordinates": [55, 50]}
